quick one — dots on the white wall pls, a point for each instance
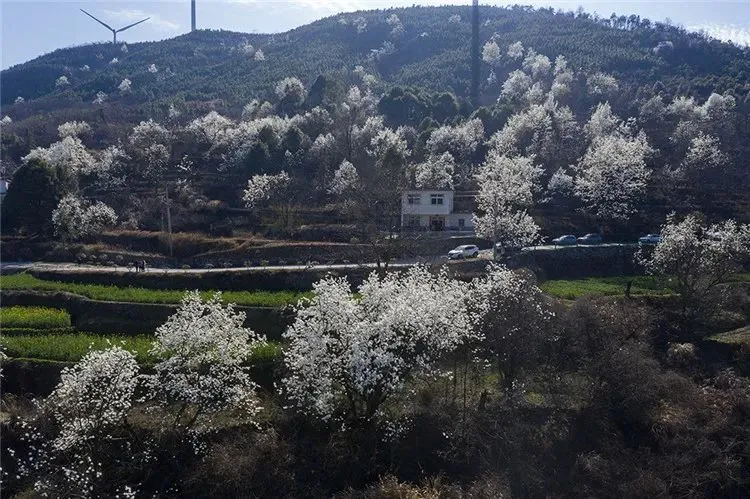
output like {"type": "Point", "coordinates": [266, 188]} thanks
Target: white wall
{"type": "Point", "coordinates": [425, 207]}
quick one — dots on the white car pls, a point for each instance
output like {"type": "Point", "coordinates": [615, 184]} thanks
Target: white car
{"type": "Point", "coordinates": [465, 251]}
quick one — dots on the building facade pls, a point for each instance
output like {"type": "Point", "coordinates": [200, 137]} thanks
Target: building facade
{"type": "Point", "coordinates": [436, 211]}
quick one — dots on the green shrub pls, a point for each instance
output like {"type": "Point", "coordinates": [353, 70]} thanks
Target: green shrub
{"type": "Point", "coordinates": [33, 318]}
{"type": "Point", "coordinates": [145, 295]}
{"type": "Point", "coordinates": [27, 331]}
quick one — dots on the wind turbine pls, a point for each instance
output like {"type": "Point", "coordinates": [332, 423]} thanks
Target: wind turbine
{"type": "Point", "coordinates": [114, 31]}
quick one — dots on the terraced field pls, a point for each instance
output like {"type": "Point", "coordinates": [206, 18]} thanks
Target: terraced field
{"type": "Point", "coordinates": [101, 292]}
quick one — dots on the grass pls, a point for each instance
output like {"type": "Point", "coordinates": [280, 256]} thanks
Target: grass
{"type": "Point", "coordinates": [72, 347]}
{"type": "Point", "coordinates": [144, 295]}
{"type": "Point", "coordinates": [33, 318]}
{"type": "Point", "coordinates": [606, 286]}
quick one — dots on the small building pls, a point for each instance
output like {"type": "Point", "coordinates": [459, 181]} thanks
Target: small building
{"type": "Point", "coordinates": [436, 210]}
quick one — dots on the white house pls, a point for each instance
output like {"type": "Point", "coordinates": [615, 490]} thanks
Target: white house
{"type": "Point", "coordinates": [436, 210]}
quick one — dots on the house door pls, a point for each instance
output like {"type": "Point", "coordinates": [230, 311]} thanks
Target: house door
{"type": "Point", "coordinates": [437, 223]}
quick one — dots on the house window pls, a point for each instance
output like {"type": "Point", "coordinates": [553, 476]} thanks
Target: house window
{"type": "Point", "coordinates": [461, 223]}
{"type": "Point", "coordinates": [436, 199]}
{"type": "Point", "coordinates": [413, 198]}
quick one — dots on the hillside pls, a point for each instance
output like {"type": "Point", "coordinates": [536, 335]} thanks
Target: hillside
{"type": "Point", "coordinates": [621, 121]}
{"type": "Point", "coordinates": [431, 53]}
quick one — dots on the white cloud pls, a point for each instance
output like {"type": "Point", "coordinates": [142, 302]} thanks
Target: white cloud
{"type": "Point", "coordinates": [738, 33]}
{"type": "Point", "coordinates": [127, 16]}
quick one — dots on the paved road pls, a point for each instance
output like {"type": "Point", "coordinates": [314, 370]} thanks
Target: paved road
{"type": "Point", "coordinates": [6, 267]}
{"type": "Point", "coordinates": [94, 269]}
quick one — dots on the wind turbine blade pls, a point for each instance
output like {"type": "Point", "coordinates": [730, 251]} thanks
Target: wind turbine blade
{"type": "Point", "coordinates": [97, 20]}
{"type": "Point", "coordinates": [131, 25]}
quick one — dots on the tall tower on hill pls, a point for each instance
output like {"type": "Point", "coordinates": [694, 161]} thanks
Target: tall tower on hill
{"type": "Point", "coordinates": [475, 53]}
{"type": "Point", "coordinates": [192, 15]}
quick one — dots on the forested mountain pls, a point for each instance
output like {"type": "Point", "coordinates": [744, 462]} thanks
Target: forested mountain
{"type": "Point", "coordinates": [431, 51]}
{"type": "Point", "coordinates": [621, 119]}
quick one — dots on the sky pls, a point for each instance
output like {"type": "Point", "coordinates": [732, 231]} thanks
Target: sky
{"type": "Point", "coordinates": [31, 28]}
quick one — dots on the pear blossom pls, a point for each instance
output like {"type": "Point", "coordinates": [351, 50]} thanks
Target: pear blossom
{"type": "Point", "coordinates": [62, 81]}
{"type": "Point", "coordinates": [19, 100]}
{"type": "Point", "coordinates": [601, 84]}
{"type": "Point", "coordinates": [612, 175]}
{"type": "Point", "coordinates": [698, 257]}
{"type": "Point", "coordinates": [73, 129]}
{"type": "Point", "coordinates": [517, 84]}
{"type": "Point", "coordinates": [435, 173]}
{"type": "Point", "coordinates": [73, 219]}
{"type": "Point", "coordinates": [263, 188]}
{"type": "Point", "coordinates": [491, 53]}
{"type": "Point", "coordinates": [506, 188]}
{"type": "Point", "coordinates": [100, 97]}
{"type": "Point", "coordinates": [515, 50]}
{"type": "Point", "coordinates": [125, 86]}
{"type": "Point", "coordinates": [202, 353]}
{"type": "Point", "coordinates": [69, 153]}
{"type": "Point", "coordinates": [347, 354]}
{"type": "Point", "coordinates": [114, 61]}
{"type": "Point", "coordinates": [345, 179]}
{"type": "Point", "coordinates": [259, 55]}
{"type": "Point", "coordinates": [93, 396]}
{"type": "Point", "coordinates": [153, 69]}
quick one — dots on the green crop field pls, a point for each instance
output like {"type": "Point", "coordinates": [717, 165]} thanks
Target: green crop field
{"type": "Point", "coordinates": [33, 318]}
{"type": "Point", "coordinates": [72, 347]}
{"type": "Point", "coordinates": [606, 286]}
{"type": "Point", "coordinates": [145, 295]}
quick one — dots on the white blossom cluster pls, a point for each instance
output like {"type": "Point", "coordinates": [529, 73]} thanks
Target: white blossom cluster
{"type": "Point", "coordinates": [345, 179]}
{"type": "Point", "coordinates": [460, 140]}
{"type": "Point", "coordinates": [73, 219]}
{"type": "Point", "coordinates": [68, 153]}
{"type": "Point", "coordinates": [202, 353]}
{"type": "Point", "coordinates": [347, 354]}
{"type": "Point", "coordinates": [263, 188]}
{"type": "Point", "coordinates": [506, 188]}
{"type": "Point", "coordinates": [73, 129]}
{"type": "Point", "coordinates": [435, 173]}
{"type": "Point", "coordinates": [93, 396]}
{"type": "Point", "coordinates": [62, 81]}
{"type": "Point", "coordinates": [397, 27]}
{"type": "Point", "coordinates": [699, 256]}
{"type": "Point", "coordinates": [125, 86]}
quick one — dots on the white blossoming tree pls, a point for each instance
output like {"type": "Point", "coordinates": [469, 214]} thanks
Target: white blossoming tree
{"type": "Point", "coordinates": [348, 354]}
{"type": "Point", "coordinates": [515, 50]}
{"type": "Point", "coordinates": [90, 432]}
{"type": "Point", "coordinates": [73, 219]}
{"type": "Point", "coordinates": [68, 153]}
{"type": "Point", "coordinates": [203, 352]}
{"type": "Point", "coordinates": [345, 180]}
{"type": "Point", "coordinates": [125, 86]}
{"type": "Point", "coordinates": [62, 82]}
{"type": "Point", "coordinates": [435, 173]}
{"type": "Point", "coordinates": [73, 129]}
{"type": "Point", "coordinates": [273, 190]}
{"type": "Point", "coordinates": [506, 190]}
{"type": "Point", "coordinates": [291, 93]}
{"type": "Point", "coordinates": [149, 147]}
{"type": "Point", "coordinates": [613, 175]}
{"type": "Point", "coordinates": [511, 315]}
{"type": "Point", "coordinates": [699, 258]}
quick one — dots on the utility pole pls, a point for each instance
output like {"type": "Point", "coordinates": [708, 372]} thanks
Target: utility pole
{"type": "Point", "coordinates": [169, 219]}
{"type": "Point", "coordinates": [475, 53]}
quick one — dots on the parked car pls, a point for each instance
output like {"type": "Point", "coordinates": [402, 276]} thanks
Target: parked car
{"type": "Point", "coordinates": [465, 251]}
{"type": "Point", "coordinates": [590, 239]}
{"type": "Point", "coordinates": [566, 240]}
{"type": "Point", "coordinates": [650, 239]}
